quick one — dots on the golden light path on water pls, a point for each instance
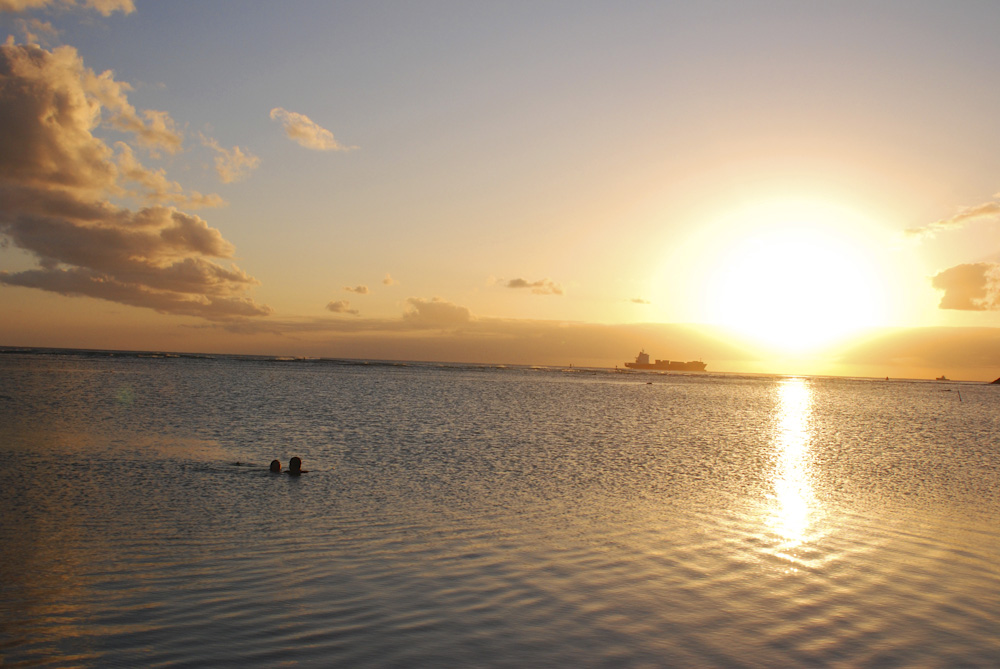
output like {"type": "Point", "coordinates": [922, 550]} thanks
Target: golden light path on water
{"type": "Point", "coordinates": [793, 497]}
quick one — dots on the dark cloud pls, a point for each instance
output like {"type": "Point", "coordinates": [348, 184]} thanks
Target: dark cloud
{"type": "Point", "coordinates": [341, 307]}
{"type": "Point", "coordinates": [57, 180]}
{"type": "Point", "coordinates": [970, 287]}
{"type": "Point", "coordinates": [360, 290]}
{"type": "Point", "coordinates": [540, 287]}
{"type": "Point", "coordinates": [84, 282]}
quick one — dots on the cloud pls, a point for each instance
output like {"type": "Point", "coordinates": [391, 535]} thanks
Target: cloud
{"type": "Point", "coordinates": [104, 7]}
{"type": "Point", "coordinates": [360, 290]}
{"type": "Point", "coordinates": [341, 307]}
{"type": "Point", "coordinates": [639, 300]}
{"type": "Point", "coordinates": [970, 287]}
{"type": "Point", "coordinates": [303, 130]}
{"type": "Point", "coordinates": [966, 215]}
{"type": "Point", "coordinates": [158, 188]}
{"type": "Point", "coordinates": [56, 181]}
{"type": "Point", "coordinates": [231, 164]}
{"type": "Point", "coordinates": [153, 129]}
{"type": "Point", "coordinates": [36, 31]}
{"type": "Point", "coordinates": [435, 313]}
{"type": "Point", "coordinates": [540, 287]}
{"type": "Point", "coordinates": [389, 281]}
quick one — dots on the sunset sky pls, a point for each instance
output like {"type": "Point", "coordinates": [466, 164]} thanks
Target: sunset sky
{"type": "Point", "coordinates": [769, 186]}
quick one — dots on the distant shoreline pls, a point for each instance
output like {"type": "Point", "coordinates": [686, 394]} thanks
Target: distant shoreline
{"type": "Point", "coordinates": [364, 362]}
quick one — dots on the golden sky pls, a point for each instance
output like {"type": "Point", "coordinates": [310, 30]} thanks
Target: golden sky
{"type": "Point", "coordinates": [768, 186]}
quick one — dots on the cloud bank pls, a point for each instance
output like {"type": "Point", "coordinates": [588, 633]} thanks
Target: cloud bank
{"type": "Point", "coordinates": [540, 287]}
{"type": "Point", "coordinates": [435, 313]}
{"type": "Point", "coordinates": [57, 180]}
{"type": "Point", "coordinates": [306, 132]}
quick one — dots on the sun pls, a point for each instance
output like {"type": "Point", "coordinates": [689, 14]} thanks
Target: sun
{"type": "Point", "coordinates": [795, 277]}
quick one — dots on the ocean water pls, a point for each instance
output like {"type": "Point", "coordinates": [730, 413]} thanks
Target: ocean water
{"type": "Point", "coordinates": [458, 516]}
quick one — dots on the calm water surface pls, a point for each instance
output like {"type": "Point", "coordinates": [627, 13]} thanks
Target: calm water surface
{"type": "Point", "coordinates": [457, 516]}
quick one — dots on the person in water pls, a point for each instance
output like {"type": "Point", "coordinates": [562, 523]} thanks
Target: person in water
{"type": "Point", "coordinates": [276, 466]}
{"type": "Point", "coordinates": [295, 467]}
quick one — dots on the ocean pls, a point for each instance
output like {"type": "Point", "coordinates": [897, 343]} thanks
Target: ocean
{"type": "Point", "coordinates": [461, 515]}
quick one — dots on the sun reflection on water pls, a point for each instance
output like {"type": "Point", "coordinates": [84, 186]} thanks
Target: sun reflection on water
{"type": "Point", "coordinates": [793, 494]}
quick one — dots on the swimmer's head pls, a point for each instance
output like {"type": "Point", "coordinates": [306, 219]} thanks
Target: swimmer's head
{"type": "Point", "coordinates": [275, 466]}
{"type": "Point", "coordinates": [295, 465]}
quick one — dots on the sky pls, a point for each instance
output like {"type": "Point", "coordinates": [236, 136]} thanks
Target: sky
{"type": "Point", "coordinates": [775, 187]}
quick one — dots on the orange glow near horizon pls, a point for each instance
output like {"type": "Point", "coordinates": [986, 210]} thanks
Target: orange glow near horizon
{"type": "Point", "coordinates": [795, 278]}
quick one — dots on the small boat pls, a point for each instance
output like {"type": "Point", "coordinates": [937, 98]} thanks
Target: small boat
{"type": "Point", "coordinates": [942, 378]}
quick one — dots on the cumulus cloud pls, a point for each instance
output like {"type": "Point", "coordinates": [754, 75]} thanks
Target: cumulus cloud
{"type": "Point", "coordinates": [639, 300]}
{"type": "Point", "coordinates": [341, 307]}
{"type": "Point", "coordinates": [970, 287]}
{"type": "Point", "coordinates": [56, 181]}
{"type": "Point", "coordinates": [987, 210]}
{"type": "Point", "coordinates": [231, 164]}
{"type": "Point", "coordinates": [435, 313]}
{"type": "Point", "coordinates": [389, 281]}
{"type": "Point", "coordinates": [306, 132]}
{"type": "Point", "coordinates": [540, 287]}
{"type": "Point", "coordinates": [360, 290]}
{"type": "Point", "coordinates": [104, 7]}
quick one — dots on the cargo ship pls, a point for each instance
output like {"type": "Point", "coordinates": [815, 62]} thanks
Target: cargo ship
{"type": "Point", "coordinates": [642, 362]}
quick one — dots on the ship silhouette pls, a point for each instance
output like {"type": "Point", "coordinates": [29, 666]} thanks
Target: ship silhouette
{"type": "Point", "coordinates": [642, 362]}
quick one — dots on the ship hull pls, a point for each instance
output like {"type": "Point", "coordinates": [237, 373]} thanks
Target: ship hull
{"type": "Point", "coordinates": [668, 366]}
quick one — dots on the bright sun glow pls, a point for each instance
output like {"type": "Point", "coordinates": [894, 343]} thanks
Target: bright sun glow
{"type": "Point", "coordinates": [795, 277]}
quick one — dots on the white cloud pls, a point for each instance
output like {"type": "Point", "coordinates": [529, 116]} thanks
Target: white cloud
{"type": "Point", "coordinates": [153, 129]}
{"type": "Point", "coordinates": [303, 130]}
{"type": "Point", "coordinates": [987, 210]}
{"type": "Point", "coordinates": [231, 164]}
{"type": "Point", "coordinates": [389, 281]}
